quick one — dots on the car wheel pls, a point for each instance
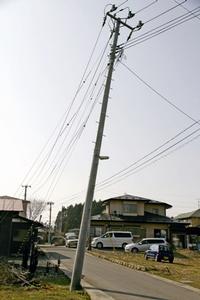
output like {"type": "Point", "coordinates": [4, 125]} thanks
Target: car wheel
{"type": "Point", "coordinates": [171, 261]}
{"type": "Point", "coordinates": [157, 258]}
{"type": "Point", "coordinates": [134, 250]}
{"type": "Point", "coordinates": [99, 246]}
{"type": "Point", "coordinates": [124, 245]}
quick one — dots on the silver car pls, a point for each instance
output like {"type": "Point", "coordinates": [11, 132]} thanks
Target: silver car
{"type": "Point", "coordinates": [144, 244]}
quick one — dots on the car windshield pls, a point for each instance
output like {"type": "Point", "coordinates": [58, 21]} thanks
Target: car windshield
{"type": "Point", "coordinates": [164, 248]}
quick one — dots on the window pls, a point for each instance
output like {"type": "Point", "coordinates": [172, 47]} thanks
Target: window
{"type": "Point", "coordinates": [130, 208]}
{"type": "Point", "coordinates": [122, 234]}
{"type": "Point", "coordinates": [144, 242]}
{"type": "Point", "coordinates": [160, 233]}
{"type": "Point", "coordinates": [107, 235]}
{"type": "Point", "coordinates": [156, 241]}
{"type": "Point", "coordinates": [155, 211]}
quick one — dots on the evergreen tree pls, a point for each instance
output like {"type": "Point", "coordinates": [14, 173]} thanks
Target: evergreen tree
{"type": "Point", "coordinates": [70, 217]}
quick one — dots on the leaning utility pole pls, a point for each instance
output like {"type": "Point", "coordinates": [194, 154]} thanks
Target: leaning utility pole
{"type": "Point", "coordinates": [78, 263]}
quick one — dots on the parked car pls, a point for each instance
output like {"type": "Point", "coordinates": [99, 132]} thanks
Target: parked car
{"type": "Point", "coordinates": [144, 244]}
{"type": "Point", "coordinates": [112, 239]}
{"type": "Point", "coordinates": [58, 240]}
{"type": "Point", "coordinates": [70, 235]}
{"type": "Point", "coordinates": [71, 242]}
{"type": "Point", "coordinates": [159, 253]}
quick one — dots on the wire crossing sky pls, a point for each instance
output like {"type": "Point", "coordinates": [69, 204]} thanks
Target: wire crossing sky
{"type": "Point", "coordinates": [54, 60]}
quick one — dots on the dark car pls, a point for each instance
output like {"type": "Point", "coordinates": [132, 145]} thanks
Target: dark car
{"type": "Point", "coordinates": [159, 253]}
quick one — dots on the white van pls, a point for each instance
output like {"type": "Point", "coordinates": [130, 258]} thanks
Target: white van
{"type": "Point", "coordinates": [144, 244]}
{"type": "Point", "coordinates": [112, 239]}
{"type": "Point", "coordinates": [70, 235]}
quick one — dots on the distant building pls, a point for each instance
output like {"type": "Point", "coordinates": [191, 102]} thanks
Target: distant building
{"type": "Point", "coordinates": [192, 228]}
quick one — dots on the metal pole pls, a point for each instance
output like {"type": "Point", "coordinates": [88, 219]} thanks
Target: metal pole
{"type": "Point", "coordinates": [78, 263]}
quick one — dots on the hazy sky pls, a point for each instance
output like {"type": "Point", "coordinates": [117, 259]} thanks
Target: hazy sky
{"type": "Point", "coordinates": [45, 48]}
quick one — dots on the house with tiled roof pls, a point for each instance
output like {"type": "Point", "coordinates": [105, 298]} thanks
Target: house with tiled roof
{"type": "Point", "coordinates": [192, 219]}
{"type": "Point", "coordinates": [142, 216]}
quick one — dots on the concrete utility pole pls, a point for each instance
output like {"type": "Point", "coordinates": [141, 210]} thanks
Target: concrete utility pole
{"type": "Point", "coordinates": [50, 210]}
{"type": "Point", "coordinates": [25, 190]}
{"type": "Point", "coordinates": [78, 264]}
{"type": "Point", "coordinates": [80, 253]}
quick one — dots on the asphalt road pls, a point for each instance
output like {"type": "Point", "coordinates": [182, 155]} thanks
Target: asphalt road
{"type": "Point", "coordinates": [123, 283]}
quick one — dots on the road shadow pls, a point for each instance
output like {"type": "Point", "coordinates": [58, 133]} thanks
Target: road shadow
{"type": "Point", "coordinates": [56, 255]}
{"type": "Point", "coordinates": [129, 294]}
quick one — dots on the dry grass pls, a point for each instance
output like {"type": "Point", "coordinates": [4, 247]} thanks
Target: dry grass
{"type": "Point", "coordinates": [185, 269]}
{"type": "Point", "coordinates": [49, 286]}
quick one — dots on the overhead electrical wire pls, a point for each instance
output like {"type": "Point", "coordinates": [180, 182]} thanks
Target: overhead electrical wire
{"type": "Point", "coordinates": [82, 126]}
{"type": "Point", "coordinates": [60, 171]}
{"type": "Point", "coordinates": [65, 114]}
{"type": "Point", "coordinates": [152, 152]}
{"type": "Point", "coordinates": [42, 165]}
{"type": "Point", "coordinates": [71, 124]}
{"type": "Point", "coordinates": [147, 6]}
{"type": "Point", "coordinates": [161, 28]}
{"type": "Point", "coordinates": [130, 172]}
{"type": "Point", "coordinates": [39, 171]}
{"type": "Point", "coordinates": [185, 8]}
{"type": "Point", "coordinates": [164, 12]}
{"type": "Point", "coordinates": [196, 122]}
{"type": "Point", "coordinates": [176, 19]}
{"type": "Point", "coordinates": [182, 18]}
{"type": "Point", "coordinates": [76, 115]}
{"type": "Point", "coordinates": [159, 94]}
{"type": "Point", "coordinates": [76, 135]}
{"type": "Point", "coordinates": [107, 183]}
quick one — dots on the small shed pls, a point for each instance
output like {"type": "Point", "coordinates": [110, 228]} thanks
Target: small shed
{"type": "Point", "coordinates": [15, 229]}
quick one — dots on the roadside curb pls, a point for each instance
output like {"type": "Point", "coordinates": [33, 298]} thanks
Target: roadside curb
{"type": "Point", "coordinates": [94, 293]}
{"type": "Point", "coordinates": [196, 290]}
{"type": "Point", "coordinates": [142, 269]}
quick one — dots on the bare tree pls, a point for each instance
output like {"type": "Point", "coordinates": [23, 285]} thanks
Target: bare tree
{"type": "Point", "coordinates": [35, 208]}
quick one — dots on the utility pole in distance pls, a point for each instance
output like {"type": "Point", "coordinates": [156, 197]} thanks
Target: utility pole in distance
{"type": "Point", "coordinates": [25, 190]}
{"type": "Point", "coordinates": [80, 253]}
{"type": "Point", "coordinates": [50, 210]}
{"type": "Point", "coordinates": [25, 194]}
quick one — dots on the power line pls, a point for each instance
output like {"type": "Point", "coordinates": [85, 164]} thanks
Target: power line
{"type": "Point", "coordinates": [143, 164]}
{"type": "Point", "coordinates": [42, 166]}
{"type": "Point", "coordinates": [59, 175]}
{"type": "Point", "coordinates": [185, 8]}
{"type": "Point", "coordinates": [168, 23]}
{"type": "Point", "coordinates": [156, 31]}
{"type": "Point", "coordinates": [66, 112]}
{"type": "Point", "coordinates": [150, 153]}
{"type": "Point", "coordinates": [159, 94]}
{"type": "Point", "coordinates": [164, 12]}
{"type": "Point", "coordinates": [68, 150]}
{"type": "Point", "coordinates": [64, 140]}
{"type": "Point", "coordinates": [147, 6]}
{"type": "Point", "coordinates": [127, 169]}
{"type": "Point", "coordinates": [74, 139]}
